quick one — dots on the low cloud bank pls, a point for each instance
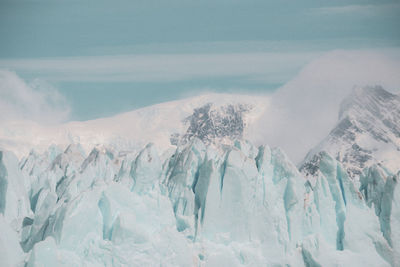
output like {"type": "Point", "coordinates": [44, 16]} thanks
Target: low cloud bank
{"type": "Point", "coordinates": [37, 101]}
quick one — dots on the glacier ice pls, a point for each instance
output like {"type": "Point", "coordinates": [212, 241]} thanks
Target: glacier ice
{"type": "Point", "coordinates": [11, 253]}
{"type": "Point", "coordinates": [201, 205]}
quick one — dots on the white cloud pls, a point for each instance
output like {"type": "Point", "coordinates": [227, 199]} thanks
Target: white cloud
{"type": "Point", "coordinates": [165, 67]}
{"type": "Point", "coordinates": [305, 109]}
{"type": "Point", "coordinates": [37, 101]}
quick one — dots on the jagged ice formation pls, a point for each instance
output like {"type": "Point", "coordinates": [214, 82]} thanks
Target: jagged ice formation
{"type": "Point", "coordinates": [203, 205]}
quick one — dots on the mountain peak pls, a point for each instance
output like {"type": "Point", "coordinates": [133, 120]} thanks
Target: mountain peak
{"type": "Point", "coordinates": [367, 133]}
{"type": "Point", "coordinates": [376, 90]}
{"type": "Point", "coordinates": [370, 98]}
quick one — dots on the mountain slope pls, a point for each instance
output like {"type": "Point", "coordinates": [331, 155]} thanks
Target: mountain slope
{"type": "Point", "coordinates": [368, 132]}
{"type": "Point", "coordinates": [206, 117]}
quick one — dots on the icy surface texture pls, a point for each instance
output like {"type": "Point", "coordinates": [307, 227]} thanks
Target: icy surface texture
{"type": "Point", "coordinates": [360, 228]}
{"type": "Point", "coordinates": [84, 212]}
{"type": "Point", "coordinates": [202, 205]}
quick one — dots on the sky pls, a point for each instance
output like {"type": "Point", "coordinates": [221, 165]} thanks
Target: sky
{"type": "Point", "coordinates": [88, 59]}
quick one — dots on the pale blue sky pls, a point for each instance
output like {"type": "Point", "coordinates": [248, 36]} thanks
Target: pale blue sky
{"type": "Point", "coordinates": [106, 57]}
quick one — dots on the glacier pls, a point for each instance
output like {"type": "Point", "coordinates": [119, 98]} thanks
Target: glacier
{"type": "Point", "coordinates": [210, 197]}
{"type": "Point", "coordinates": [201, 205]}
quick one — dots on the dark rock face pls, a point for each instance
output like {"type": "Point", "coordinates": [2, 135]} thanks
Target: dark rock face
{"type": "Point", "coordinates": [209, 124]}
{"type": "Point", "coordinates": [311, 167]}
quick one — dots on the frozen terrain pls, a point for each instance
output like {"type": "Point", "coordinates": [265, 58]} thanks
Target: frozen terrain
{"type": "Point", "coordinates": [133, 130]}
{"type": "Point", "coordinates": [200, 194]}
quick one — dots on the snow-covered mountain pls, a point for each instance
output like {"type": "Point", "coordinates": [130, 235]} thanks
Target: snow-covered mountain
{"type": "Point", "coordinates": [211, 116]}
{"type": "Point", "coordinates": [368, 131]}
{"type": "Point", "coordinates": [200, 194]}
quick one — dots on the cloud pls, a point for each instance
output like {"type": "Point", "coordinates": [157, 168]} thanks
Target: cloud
{"type": "Point", "coordinates": [306, 108]}
{"type": "Point", "coordinates": [165, 67]}
{"type": "Point", "coordinates": [366, 10]}
{"type": "Point", "coordinates": [37, 101]}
